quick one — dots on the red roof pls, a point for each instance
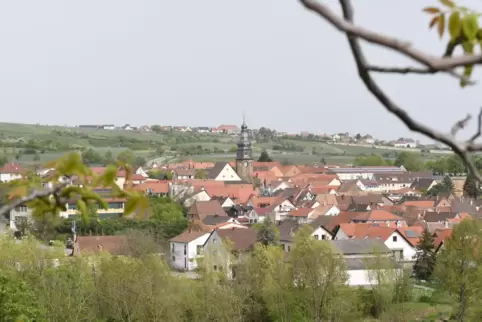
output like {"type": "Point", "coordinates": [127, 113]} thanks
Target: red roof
{"type": "Point", "coordinates": [301, 212]}
{"type": "Point", "coordinates": [378, 215]}
{"type": "Point", "coordinates": [12, 168]}
{"type": "Point", "coordinates": [154, 186]}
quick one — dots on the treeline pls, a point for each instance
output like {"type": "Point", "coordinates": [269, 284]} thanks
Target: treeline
{"type": "Point", "coordinates": [449, 164]}
{"type": "Point", "coordinates": [307, 284]}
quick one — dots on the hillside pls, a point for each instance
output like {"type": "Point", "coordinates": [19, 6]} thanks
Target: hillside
{"type": "Point", "coordinates": [34, 143]}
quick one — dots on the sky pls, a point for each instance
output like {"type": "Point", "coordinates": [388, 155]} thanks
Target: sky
{"type": "Point", "coordinates": [205, 63]}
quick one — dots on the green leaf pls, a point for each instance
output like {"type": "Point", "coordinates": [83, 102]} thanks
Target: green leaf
{"type": "Point", "coordinates": [470, 26]}
{"type": "Point", "coordinates": [131, 205]}
{"type": "Point", "coordinates": [468, 47]}
{"type": "Point", "coordinates": [441, 24]}
{"type": "Point", "coordinates": [455, 27]}
{"type": "Point", "coordinates": [447, 3]}
{"type": "Point", "coordinates": [110, 175]}
{"type": "Point", "coordinates": [82, 206]}
{"type": "Point", "coordinates": [467, 73]}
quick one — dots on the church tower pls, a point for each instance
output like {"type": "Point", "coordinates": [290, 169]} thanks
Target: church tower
{"type": "Point", "coordinates": [244, 155]}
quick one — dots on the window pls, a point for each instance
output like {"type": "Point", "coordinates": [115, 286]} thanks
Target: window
{"type": "Point", "coordinates": [215, 267]}
{"type": "Point", "coordinates": [394, 238]}
{"type": "Point", "coordinates": [185, 262]}
{"type": "Point", "coordinates": [289, 248]}
{"type": "Point", "coordinates": [316, 237]}
{"type": "Point", "coordinates": [185, 249]}
{"type": "Point", "coordinates": [173, 258]}
{"type": "Point", "coordinates": [323, 237]}
{"type": "Point", "coordinates": [199, 249]}
{"type": "Point", "coordinates": [282, 246]}
{"type": "Point", "coordinates": [214, 240]}
{"type": "Point", "coordinates": [172, 248]}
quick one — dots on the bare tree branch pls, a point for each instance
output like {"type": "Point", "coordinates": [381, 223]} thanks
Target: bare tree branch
{"type": "Point", "coordinates": [479, 127]}
{"type": "Point", "coordinates": [460, 125]}
{"type": "Point", "coordinates": [354, 33]}
{"type": "Point", "coordinates": [403, 47]}
{"type": "Point", "coordinates": [54, 191]}
{"type": "Point", "coordinates": [418, 70]}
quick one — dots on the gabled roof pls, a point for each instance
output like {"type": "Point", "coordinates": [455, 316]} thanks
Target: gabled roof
{"type": "Point", "coordinates": [116, 245]}
{"type": "Point", "coordinates": [301, 212]}
{"type": "Point", "coordinates": [12, 168]}
{"type": "Point", "coordinates": [241, 239]}
{"type": "Point", "coordinates": [205, 208]}
{"type": "Point", "coordinates": [377, 215]}
{"type": "Point", "coordinates": [216, 170]}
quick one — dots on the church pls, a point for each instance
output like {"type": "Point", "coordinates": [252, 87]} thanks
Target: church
{"type": "Point", "coordinates": [243, 170]}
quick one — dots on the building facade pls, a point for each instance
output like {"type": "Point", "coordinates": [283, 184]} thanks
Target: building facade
{"type": "Point", "coordinates": [244, 155]}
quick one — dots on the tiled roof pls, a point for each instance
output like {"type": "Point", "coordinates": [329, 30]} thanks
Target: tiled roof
{"type": "Point", "coordinates": [116, 245]}
{"type": "Point", "coordinates": [363, 246]}
{"type": "Point", "coordinates": [240, 239]}
{"type": "Point", "coordinates": [153, 186]}
{"type": "Point", "coordinates": [12, 168]}
{"type": "Point", "coordinates": [301, 212]}
{"type": "Point", "coordinates": [377, 215]}
{"type": "Point", "coordinates": [188, 236]}
{"type": "Point", "coordinates": [206, 208]}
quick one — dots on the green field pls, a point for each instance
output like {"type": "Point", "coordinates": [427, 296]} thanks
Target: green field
{"type": "Point", "coordinates": [23, 141]}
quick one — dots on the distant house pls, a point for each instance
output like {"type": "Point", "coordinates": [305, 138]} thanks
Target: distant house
{"type": "Point", "coordinates": [115, 245]}
{"type": "Point", "coordinates": [203, 129]}
{"type": "Point", "coordinates": [405, 143]}
{"type": "Point", "coordinates": [368, 139]}
{"type": "Point", "coordinates": [229, 129]}
{"type": "Point", "coordinates": [127, 127]}
{"type": "Point", "coordinates": [11, 171]}
{"type": "Point", "coordinates": [183, 174]}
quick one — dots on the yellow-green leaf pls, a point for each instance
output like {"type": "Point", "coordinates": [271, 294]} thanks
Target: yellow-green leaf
{"type": "Point", "coordinates": [110, 174]}
{"type": "Point", "coordinates": [431, 10]}
{"type": "Point", "coordinates": [467, 73]}
{"type": "Point", "coordinates": [441, 24]}
{"type": "Point", "coordinates": [447, 3]}
{"type": "Point", "coordinates": [470, 26]}
{"type": "Point", "coordinates": [455, 27]}
{"type": "Point", "coordinates": [18, 192]}
{"type": "Point", "coordinates": [433, 22]}
{"type": "Point", "coordinates": [82, 206]}
{"type": "Point", "coordinates": [131, 205]}
{"type": "Point", "coordinates": [468, 47]}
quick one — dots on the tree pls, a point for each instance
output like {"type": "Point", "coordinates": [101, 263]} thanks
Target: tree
{"type": "Point", "coordinates": [126, 156]}
{"type": "Point", "coordinates": [459, 266]}
{"type": "Point", "coordinates": [200, 174]}
{"type": "Point", "coordinates": [139, 161]}
{"type": "Point", "coordinates": [323, 161]}
{"type": "Point", "coordinates": [109, 157]}
{"type": "Point", "coordinates": [471, 187]}
{"type": "Point", "coordinates": [90, 156]}
{"type": "Point", "coordinates": [3, 160]}
{"type": "Point", "coordinates": [448, 184]}
{"type": "Point", "coordinates": [264, 157]}
{"type": "Point", "coordinates": [425, 260]}
{"type": "Point", "coordinates": [168, 214]}
{"type": "Point", "coordinates": [156, 128]}
{"type": "Point", "coordinates": [459, 37]}
{"type": "Point", "coordinates": [410, 161]}
{"type": "Point", "coordinates": [372, 160]}
{"type": "Point", "coordinates": [358, 137]}
{"type": "Point", "coordinates": [268, 233]}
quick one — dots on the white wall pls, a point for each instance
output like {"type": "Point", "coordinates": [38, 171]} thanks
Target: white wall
{"type": "Point", "coordinates": [401, 244]}
{"type": "Point", "coordinates": [187, 261]}
{"type": "Point", "coordinates": [228, 174]}
{"type": "Point", "coordinates": [6, 177]}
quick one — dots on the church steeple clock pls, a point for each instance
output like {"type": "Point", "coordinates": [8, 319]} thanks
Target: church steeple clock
{"type": "Point", "coordinates": [244, 154]}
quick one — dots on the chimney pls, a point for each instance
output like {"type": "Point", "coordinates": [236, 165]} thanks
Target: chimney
{"type": "Point", "coordinates": [387, 223]}
{"type": "Point", "coordinates": [446, 223]}
{"type": "Point", "coordinates": [471, 202]}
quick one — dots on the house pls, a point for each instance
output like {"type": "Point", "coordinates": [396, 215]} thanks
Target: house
{"type": "Point", "coordinates": [402, 249]}
{"type": "Point", "coordinates": [223, 171]}
{"type": "Point", "coordinates": [368, 139]}
{"type": "Point", "coordinates": [19, 216]}
{"type": "Point", "coordinates": [287, 230]}
{"type": "Point", "coordinates": [381, 217]}
{"type": "Point", "coordinates": [228, 129]}
{"type": "Point", "coordinates": [224, 248]}
{"type": "Point", "coordinates": [115, 208]}
{"type": "Point", "coordinates": [405, 143]}
{"type": "Point", "coordinates": [225, 202]}
{"type": "Point", "coordinates": [127, 127]}
{"type": "Point", "coordinates": [366, 172]}
{"type": "Point", "coordinates": [11, 171]}
{"type": "Point", "coordinates": [202, 129]}
{"type": "Point", "coordinates": [140, 171]}
{"type": "Point", "coordinates": [363, 258]}
{"type": "Point", "coordinates": [155, 188]}
{"type": "Point", "coordinates": [423, 184]}
{"type": "Point", "coordinates": [183, 174]}
{"type": "Point", "coordinates": [201, 209]}
{"type": "Point", "coordinates": [188, 247]}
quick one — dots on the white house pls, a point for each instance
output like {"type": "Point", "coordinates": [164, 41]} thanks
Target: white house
{"type": "Point", "coordinates": [394, 240]}
{"type": "Point", "coordinates": [10, 171]}
{"type": "Point", "coordinates": [353, 173]}
{"type": "Point", "coordinates": [142, 172]}
{"type": "Point", "coordinates": [362, 257]}
{"type": "Point", "coordinates": [223, 171]}
{"type": "Point", "coordinates": [288, 228]}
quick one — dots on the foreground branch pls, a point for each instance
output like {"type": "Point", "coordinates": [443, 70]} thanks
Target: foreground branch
{"type": "Point", "coordinates": [403, 47]}
{"type": "Point", "coordinates": [355, 33]}
{"type": "Point", "coordinates": [35, 194]}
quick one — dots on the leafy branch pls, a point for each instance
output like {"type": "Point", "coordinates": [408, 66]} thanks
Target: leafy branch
{"type": "Point", "coordinates": [464, 30]}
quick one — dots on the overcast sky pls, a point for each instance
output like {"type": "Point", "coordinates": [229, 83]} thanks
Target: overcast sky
{"type": "Point", "coordinates": [205, 62]}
